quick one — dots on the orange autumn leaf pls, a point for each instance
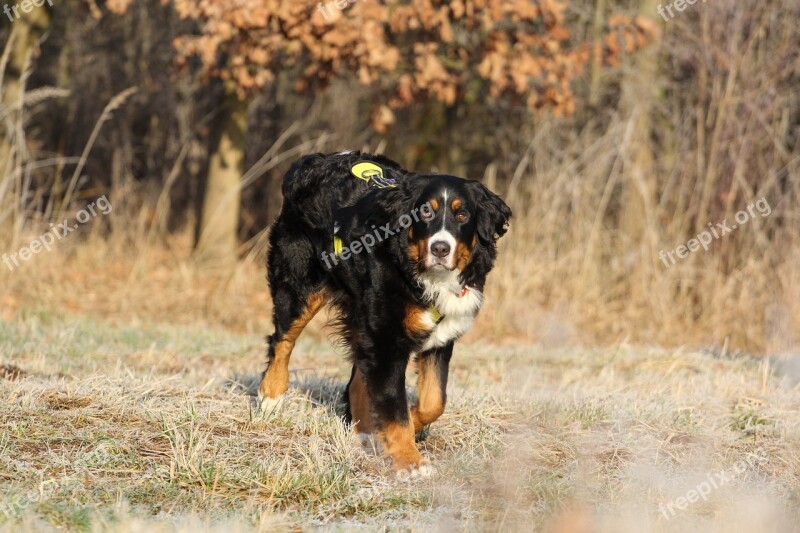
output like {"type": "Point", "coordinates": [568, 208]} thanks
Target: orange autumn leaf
{"type": "Point", "coordinates": [405, 50]}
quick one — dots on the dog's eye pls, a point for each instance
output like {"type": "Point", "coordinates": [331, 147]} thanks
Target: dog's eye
{"type": "Point", "coordinates": [462, 216]}
{"type": "Point", "coordinates": [427, 214]}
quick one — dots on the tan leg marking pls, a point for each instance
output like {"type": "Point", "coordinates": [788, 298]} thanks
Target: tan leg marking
{"type": "Point", "coordinates": [276, 379]}
{"type": "Point", "coordinates": [359, 404]}
{"type": "Point", "coordinates": [430, 405]}
{"type": "Point", "coordinates": [398, 443]}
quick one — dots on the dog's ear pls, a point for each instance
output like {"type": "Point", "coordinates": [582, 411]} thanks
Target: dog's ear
{"type": "Point", "coordinates": [493, 214]}
{"type": "Point", "coordinates": [491, 222]}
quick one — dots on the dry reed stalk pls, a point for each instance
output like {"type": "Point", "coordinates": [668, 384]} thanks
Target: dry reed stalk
{"type": "Point", "coordinates": [115, 103]}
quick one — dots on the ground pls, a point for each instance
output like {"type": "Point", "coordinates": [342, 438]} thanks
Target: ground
{"type": "Point", "coordinates": [143, 426]}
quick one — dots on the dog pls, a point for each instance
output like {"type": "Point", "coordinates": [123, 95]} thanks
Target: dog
{"type": "Point", "coordinates": [402, 258]}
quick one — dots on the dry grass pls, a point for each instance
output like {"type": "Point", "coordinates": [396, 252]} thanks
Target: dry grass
{"type": "Point", "coordinates": [572, 269]}
{"type": "Point", "coordinates": [127, 373]}
{"type": "Point", "coordinates": [569, 272]}
{"type": "Point", "coordinates": [122, 412]}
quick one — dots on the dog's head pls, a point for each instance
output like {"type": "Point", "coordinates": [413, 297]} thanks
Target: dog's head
{"type": "Point", "coordinates": [455, 225]}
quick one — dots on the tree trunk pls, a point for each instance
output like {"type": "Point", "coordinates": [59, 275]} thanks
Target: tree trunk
{"type": "Point", "coordinates": [639, 97]}
{"type": "Point", "coordinates": [219, 218]}
{"type": "Point", "coordinates": [597, 52]}
{"type": "Point", "coordinates": [26, 32]}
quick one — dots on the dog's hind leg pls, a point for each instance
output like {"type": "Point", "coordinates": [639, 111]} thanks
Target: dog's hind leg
{"type": "Point", "coordinates": [357, 402]}
{"type": "Point", "coordinates": [289, 323]}
{"type": "Point", "coordinates": [297, 285]}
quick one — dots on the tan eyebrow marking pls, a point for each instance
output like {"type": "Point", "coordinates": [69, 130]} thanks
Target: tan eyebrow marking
{"type": "Point", "coordinates": [434, 203]}
{"type": "Point", "coordinates": [456, 205]}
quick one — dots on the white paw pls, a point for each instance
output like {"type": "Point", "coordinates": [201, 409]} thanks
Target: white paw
{"type": "Point", "coordinates": [268, 405]}
{"type": "Point", "coordinates": [420, 471]}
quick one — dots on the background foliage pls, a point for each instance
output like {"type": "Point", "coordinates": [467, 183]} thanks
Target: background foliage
{"type": "Point", "coordinates": [613, 133]}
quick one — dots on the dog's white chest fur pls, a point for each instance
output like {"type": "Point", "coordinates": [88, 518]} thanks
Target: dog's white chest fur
{"type": "Point", "coordinates": [458, 310]}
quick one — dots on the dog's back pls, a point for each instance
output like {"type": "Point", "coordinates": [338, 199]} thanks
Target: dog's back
{"type": "Point", "coordinates": [318, 185]}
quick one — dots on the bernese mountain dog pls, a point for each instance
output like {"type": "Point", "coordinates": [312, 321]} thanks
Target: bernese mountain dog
{"type": "Point", "coordinates": [402, 258]}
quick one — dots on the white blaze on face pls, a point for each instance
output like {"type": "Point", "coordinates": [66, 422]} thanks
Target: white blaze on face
{"type": "Point", "coordinates": [442, 236]}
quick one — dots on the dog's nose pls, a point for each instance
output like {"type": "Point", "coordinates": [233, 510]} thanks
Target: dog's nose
{"type": "Point", "coordinates": [440, 249]}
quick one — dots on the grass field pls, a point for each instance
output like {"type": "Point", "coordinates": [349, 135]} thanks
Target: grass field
{"type": "Point", "coordinates": [144, 426]}
{"type": "Point", "coordinates": [606, 385]}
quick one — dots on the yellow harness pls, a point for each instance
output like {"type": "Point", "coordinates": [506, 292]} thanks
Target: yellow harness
{"type": "Point", "coordinates": [372, 174]}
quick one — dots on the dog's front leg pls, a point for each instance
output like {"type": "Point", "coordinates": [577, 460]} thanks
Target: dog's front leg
{"type": "Point", "coordinates": [391, 417]}
{"type": "Point", "coordinates": [432, 370]}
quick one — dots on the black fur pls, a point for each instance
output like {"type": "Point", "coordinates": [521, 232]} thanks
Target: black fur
{"type": "Point", "coordinates": [371, 292]}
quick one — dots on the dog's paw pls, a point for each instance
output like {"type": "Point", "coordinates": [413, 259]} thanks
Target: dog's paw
{"type": "Point", "coordinates": [369, 444]}
{"type": "Point", "coordinates": [420, 470]}
{"type": "Point", "coordinates": [269, 405]}
{"type": "Point", "coordinates": [366, 440]}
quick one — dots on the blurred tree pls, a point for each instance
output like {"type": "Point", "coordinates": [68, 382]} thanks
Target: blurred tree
{"type": "Point", "coordinates": [638, 100]}
{"type": "Point", "coordinates": [219, 216]}
{"type": "Point", "coordinates": [408, 52]}
{"type": "Point", "coordinates": [23, 40]}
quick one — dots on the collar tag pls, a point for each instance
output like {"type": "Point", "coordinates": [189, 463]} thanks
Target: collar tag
{"type": "Point", "coordinates": [435, 314]}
